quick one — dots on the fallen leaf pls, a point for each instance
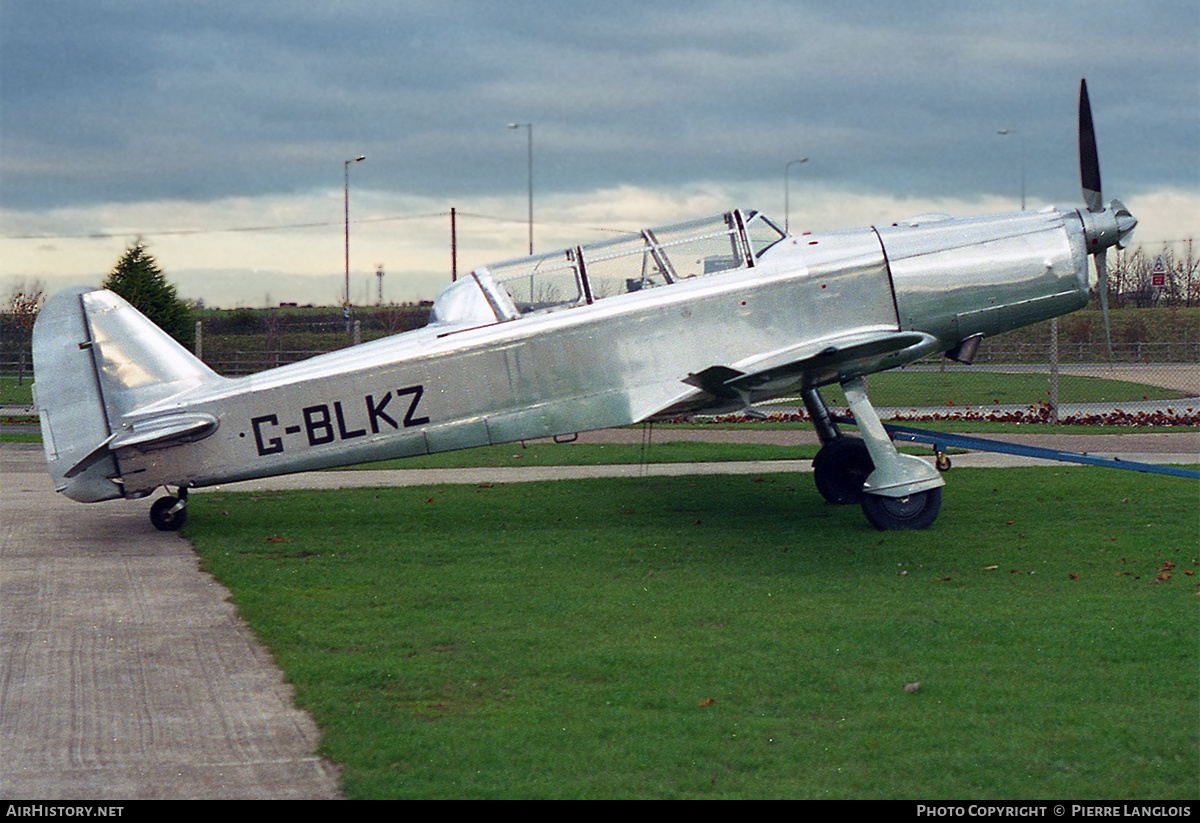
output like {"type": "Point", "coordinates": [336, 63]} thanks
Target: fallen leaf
{"type": "Point", "coordinates": [912, 687]}
{"type": "Point", "coordinates": [708, 702]}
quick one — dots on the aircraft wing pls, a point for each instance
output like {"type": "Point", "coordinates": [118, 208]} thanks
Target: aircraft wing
{"type": "Point", "coordinates": [812, 363]}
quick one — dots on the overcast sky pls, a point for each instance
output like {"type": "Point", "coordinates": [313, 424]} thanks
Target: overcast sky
{"type": "Point", "coordinates": [218, 131]}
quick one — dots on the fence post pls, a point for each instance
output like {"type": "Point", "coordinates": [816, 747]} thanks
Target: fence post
{"type": "Point", "coordinates": [1054, 369]}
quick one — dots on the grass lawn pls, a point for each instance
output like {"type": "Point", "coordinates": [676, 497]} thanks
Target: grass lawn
{"type": "Point", "coordinates": [543, 453]}
{"type": "Point", "coordinates": [732, 637]}
{"type": "Point", "coordinates": [15, 392]}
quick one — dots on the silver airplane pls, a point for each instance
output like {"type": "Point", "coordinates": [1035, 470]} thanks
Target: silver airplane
{"type": "Point", "coordinates": [708, 316]}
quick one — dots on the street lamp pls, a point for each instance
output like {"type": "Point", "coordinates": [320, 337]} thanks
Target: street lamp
{"type": "Point", "coordinates": [787, 205]}
{"type": "Point", "coordinates": [1021, 138]}
{"type": "Point", "coordinates": [529, 128]}
{"type": "Point", "coordinates": [346, 170]}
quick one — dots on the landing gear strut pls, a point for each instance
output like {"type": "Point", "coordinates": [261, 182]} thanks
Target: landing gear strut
{"type": "Point", "coordinates": [896, 491]}
{"type": "Point", "coordinates": [169, 513]}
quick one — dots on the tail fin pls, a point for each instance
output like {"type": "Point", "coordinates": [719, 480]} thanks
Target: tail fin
{"type": "Point", "coordinates": [97, 361]}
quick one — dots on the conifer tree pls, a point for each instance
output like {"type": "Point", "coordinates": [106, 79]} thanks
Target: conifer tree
{"type": "Point", "coordinates": [138, 279]}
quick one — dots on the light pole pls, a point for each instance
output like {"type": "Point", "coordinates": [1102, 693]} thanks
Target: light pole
{"type": "Point", "coordinates": [1021, 138]}
{"type": "Point", "coordinates": [346, 170]}
{"type": "Point", "coordinates": [529, 129]}
{"type": "Point", "coordinates": [787, 204]}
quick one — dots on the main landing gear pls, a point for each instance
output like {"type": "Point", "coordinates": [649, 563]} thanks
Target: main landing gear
{"type": "Point", "coordinates": [895, 491]}
{"type": "Point", "coordinates": [169, 513]}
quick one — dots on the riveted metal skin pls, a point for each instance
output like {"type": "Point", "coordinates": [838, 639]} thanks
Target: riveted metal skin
{"type": "Point", "coordinates": [126, 410]}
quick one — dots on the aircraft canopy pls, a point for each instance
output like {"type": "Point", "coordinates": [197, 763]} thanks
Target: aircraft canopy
{"type": "Point", "coordinates": [581, 275]}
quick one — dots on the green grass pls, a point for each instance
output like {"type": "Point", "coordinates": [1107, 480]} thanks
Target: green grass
{"type": "Point", "coordinates": [514, 455]}
{"type": "Point", "coordinates": [16, 393]}
{"type": "Point", "coordinates": [591, 454]}
{"type": "Point", "coordinates": [731, 637]}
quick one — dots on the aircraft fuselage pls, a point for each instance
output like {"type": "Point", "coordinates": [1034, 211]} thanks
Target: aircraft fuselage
{"type": "Point", "coordinates": [624, 358]}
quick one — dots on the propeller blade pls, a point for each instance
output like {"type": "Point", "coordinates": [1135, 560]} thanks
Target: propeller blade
{"type": "Point", "coordinates": [1101, 258]}
{"type": "Point", "coordinates": [1089, 158]}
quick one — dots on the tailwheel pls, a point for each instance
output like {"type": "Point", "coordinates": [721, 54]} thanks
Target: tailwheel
{"type": "Point", "coordinates": [169, 513]}
{"type": "Point", "coordinates": [913, 511]}
{"type": "Point", "coordinates": [841, 468]}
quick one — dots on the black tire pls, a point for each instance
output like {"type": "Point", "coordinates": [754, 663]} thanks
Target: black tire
{"type": "Point", "coordinates": [916, 511]}
{"type": "Point", "coordinates": [841, 468]}
{"type": "Point", "coordinates": [163, 518]}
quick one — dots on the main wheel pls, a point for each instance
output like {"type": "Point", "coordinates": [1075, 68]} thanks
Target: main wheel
{"type": "Point", "coordinates": [915, 511]}
{"type": "Point", "coordinates": [841, 468]}
{"type": "Point", "coordinates": [165, 516]}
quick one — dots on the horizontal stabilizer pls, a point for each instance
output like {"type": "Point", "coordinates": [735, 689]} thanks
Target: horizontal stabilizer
{"type": "Point", "coordinates": [155, 433]}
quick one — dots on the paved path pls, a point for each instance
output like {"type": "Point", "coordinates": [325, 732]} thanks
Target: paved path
{"type": "Point", "coordinates": [127, 674]}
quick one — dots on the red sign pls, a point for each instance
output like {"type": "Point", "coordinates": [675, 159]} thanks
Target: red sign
{"type": "Point", "coordinates": [1158, 275]}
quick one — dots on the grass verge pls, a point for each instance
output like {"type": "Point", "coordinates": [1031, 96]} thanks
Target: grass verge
{"type": "Point", "coordinates": [731, 637]}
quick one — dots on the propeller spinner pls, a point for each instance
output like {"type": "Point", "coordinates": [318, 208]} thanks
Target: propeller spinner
{"type": "Point", "coordinates": [1102, 227]}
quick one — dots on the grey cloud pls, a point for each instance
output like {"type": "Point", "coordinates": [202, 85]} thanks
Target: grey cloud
{"type": "Point", "coordinates": [123, 101]}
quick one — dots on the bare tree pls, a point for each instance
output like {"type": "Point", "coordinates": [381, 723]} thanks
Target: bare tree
{"type": "Point", "coordinates": [1131, 278]}
{"type": "Point", "coordinates": [23, 306]}
{"type": "Point", "coordinates": [1189, 275]}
